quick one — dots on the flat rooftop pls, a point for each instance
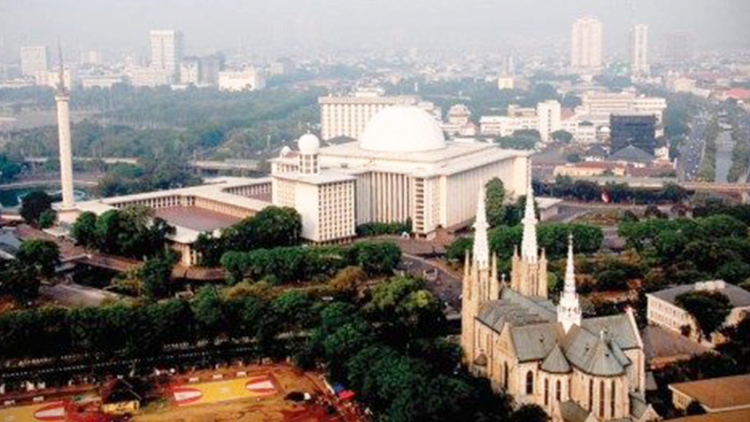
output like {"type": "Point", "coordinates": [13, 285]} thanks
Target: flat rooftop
{"type": "Point", "coordinates": [718, 393]}
{"type": "Point", "coordinates": [196, 218]}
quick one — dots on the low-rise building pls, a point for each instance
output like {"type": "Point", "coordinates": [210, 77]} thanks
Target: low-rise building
{"type": "Point", "coordinates": [590, 169]}
{"type": "Point", "coordinates": [242, 80]}
{"type": "Point", "coordinates": [715, 395]}
{"type": "Point", "coordinates": [663, 310]}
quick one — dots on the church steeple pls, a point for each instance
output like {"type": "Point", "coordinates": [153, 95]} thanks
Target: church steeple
{"type": "Point", "coordinates": [481, 250]}
{"type": "Point", "coordinates": [569, 308]}
{"type": "Point", "coordinates": [529, 248]}
{"type": "Point", "coordinates": [529, 269]}
{"type": "Point", "coordinates": [480, 283]}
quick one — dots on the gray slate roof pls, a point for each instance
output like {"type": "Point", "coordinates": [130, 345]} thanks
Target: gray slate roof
{"type": "Point", "coordinates": [535, 342]}
{"type": "Point", "coordinates": [638, 405]}
{"type": "Point", "coordinates": [738, 297]}
{"type": "Point", "coordinates": [515, 309]}
{"type": "Point", "coordinates": [572, 412]}
{"type": "Point", "coordinates": [555, 362]}
{"type": "Point", "coordinates": [615, 327]}
{"type": "Point", "coordinates": [537, 336]}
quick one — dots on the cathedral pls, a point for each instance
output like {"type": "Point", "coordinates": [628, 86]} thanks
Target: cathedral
{"type": "Point", "coordinates": [578, 369]}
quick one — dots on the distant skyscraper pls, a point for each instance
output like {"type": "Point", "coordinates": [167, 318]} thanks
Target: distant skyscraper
{"type": "Point", "coordinates": [586, 45]}
{"type": "Point", "coordinates": [166, 50]}
{"type": "Point", "coordinates": [34, 61]}
{"type": "Point", "coordinates": [678, 48]}
{"type": "Point", "coordinates": [636, 130]}
{"type": "Point", "coordinates": [639, 49]}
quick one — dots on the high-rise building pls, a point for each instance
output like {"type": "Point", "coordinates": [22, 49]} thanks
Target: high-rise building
{"type": "Point", "coordinates": [34, 60]}
{"type": "Point", "coordinates": [677, 48]}
{"type": "Point", "coordinates": [639, 49]}
{"type": "Point", "coordinates": [348, 115]}
{"type": "Point", "coordinates": [166, 50]}
{"type": "Point", "coordinates": [586, 45]}
{"type": "Point", "coordinates": [637, 130]}
{"type": "Point", "coordinates": [190, 71]}
{"type": "Point", "coordinates": [549, 116]}
{"type": "Point", "coordinates": [210, 68]}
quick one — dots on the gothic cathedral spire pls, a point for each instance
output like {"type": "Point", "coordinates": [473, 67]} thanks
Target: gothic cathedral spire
{"type": "Point", "coordinates": [569, 309]}
{"type": "Point", "coordinates": [481, 249]}
{"type": "Point", "coordinates": [529, 248]}
{"type": "Point", "coordinates": [529, 270]}
{"type": "Point", "coordinates": [480, 283]}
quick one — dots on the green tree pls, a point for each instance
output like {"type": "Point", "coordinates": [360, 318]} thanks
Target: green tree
{"type": "Point", "coordinates": [529, 413]}
{"type": "Point", "coordinates": [710, 309]}
{"type": "Point", "coordinates": [494, 197]}
{"type": "Point", "coordinates": [83, 230]}
{"type": "Point", "coordinates": [156, 275]}
{"type": "Point", "coordinates": [208, 309]}
{"type": "Point", "coordinates": [42, 256]}
{"type": "Point", "coordinates": [375, 258]}
{"type": "Point", "coordinates": [33, 205]}
{"type": "Point", "coordinates": [562, 136]}
{"type": "Point", "coordinates": [47, 219]}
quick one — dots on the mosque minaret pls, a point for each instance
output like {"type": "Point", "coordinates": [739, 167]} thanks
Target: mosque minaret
{"type": "Point", "coordinates": [62, 97]}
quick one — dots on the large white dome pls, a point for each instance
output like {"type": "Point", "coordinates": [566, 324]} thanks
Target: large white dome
{"type": "Point", "coordinates": [402, 129]}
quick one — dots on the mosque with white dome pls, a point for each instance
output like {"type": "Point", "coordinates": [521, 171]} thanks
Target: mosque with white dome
{"type": "Point", "coordinates": [402, 168]}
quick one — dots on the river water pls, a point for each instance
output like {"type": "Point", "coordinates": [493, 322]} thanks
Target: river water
{"type": "Point", "coordinates": [10, 198]}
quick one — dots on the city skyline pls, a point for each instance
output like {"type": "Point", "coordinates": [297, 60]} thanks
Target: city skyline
{"type": "Point", "coordinates": [231, 25]}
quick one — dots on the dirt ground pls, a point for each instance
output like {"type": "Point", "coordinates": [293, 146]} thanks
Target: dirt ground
{"type": "Point", "coordinates": [263, 408]}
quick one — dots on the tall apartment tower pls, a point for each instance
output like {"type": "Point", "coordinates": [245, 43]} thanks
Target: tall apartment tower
{"type": "Point", "coordinates": [639, 49]}
{"type": "Point", "coordinates": [34, 60]}
{"type": "Point", "coordinates": [586, 45]}
{"type": "Point", "coordinates": [166, 51]}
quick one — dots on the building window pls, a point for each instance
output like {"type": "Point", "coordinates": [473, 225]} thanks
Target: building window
{"type": "Point", "coordinates": [614, 397]}
{"type": "Point", "coordinates": [558, 391]}
{"type": "Point", "coordinates": [591, 395]}
{"type": "Point", "coordinates": [505, 374]}
{"type": "Point", "coordinates": [546, 392]}
{"type": "Point", "coordinates": [601, 399]}
{"type": "Point", "coordinates": [530, 382]}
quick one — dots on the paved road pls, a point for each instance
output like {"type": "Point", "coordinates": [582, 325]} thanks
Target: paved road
{"type": "Point", "coordinates": [445, 286]}
{"type": "Point", "coordinates": [76, 295]}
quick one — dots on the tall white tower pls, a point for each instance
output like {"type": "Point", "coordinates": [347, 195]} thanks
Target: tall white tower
{"type": "Point", "coordinates": [167, 47]}
{"type": "Point", "coordinates": [586, 44]}
{"type": "Point", "coordinates": [639, 49]}
{"type": "Point", "coordinates": [569, 309]}
{"type": "Point", "coordinates": [62, 97]}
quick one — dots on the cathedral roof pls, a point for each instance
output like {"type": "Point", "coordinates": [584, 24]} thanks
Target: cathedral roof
{"type": "Point", "coordinates": [615, 327]}
{"type": "Point", "coordinates": [555, 362]}
{"type": "Point", "coordinates": [595, 347]}
{"type": "Point", "coordinates": [535, 342]}
{"type": "Point", "coordinates": [600, 360]}
{"type": "Point", "coordinates": [516, 310]}
{"type": "Point", "coordinates": [572, 412]}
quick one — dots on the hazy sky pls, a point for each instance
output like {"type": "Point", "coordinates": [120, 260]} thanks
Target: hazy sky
{"type": "Point", "coordinates": [255, 24]}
